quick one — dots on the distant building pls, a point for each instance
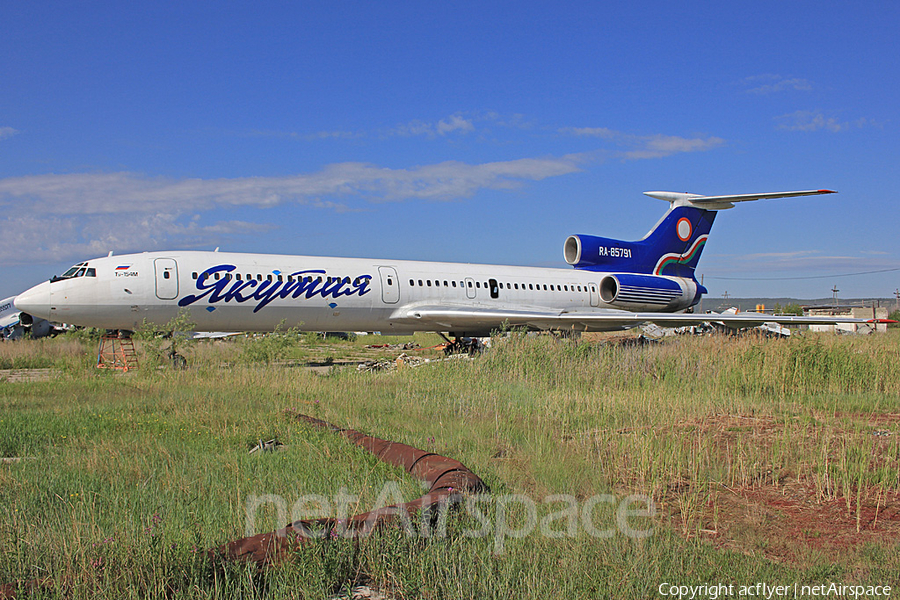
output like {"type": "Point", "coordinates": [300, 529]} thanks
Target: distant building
{"type": "Point", "coordinates": [857, 312]}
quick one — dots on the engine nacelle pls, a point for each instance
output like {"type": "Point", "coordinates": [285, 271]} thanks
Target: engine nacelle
{"type": "Point", "coordinates": [586, 251]}
{"type": "Point", "coordinates": [649, 292]}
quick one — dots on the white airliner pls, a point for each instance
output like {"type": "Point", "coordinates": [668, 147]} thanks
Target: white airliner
{"type": "Point", "coordinates": [614, 285]}
{"type": "Point", "coordinates": [14, 325]}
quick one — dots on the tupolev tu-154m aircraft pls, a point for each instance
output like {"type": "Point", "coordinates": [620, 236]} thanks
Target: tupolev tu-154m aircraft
{"type": "Point", "coordinates": [614, 285]}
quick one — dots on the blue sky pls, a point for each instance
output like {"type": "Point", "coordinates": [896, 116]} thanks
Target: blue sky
{"type": "Point", "coordinates": [472, 132]}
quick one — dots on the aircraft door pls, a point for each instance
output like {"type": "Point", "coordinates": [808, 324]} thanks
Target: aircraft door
{"type": "Point", "coordinates": [470, 287]}
{"type": "Point", "coordinates": [166, 278]}
{"type": "Point", "coordinates": [390, 285]}
{"type": "Point", "coordinates": [595, 295]}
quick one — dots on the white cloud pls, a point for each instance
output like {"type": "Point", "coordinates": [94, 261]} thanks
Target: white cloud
{"type": "Point", "coordinates": [455, 123]}
{"type": "Point", "coordinates": [659, 146]}
{"type": "Point", "coordinates": [69, 216]}
{"type": "Point", "coordinates": [7, 132]}
{"type": "Point", "coordinates": [601, 132]}
{"type": "Point", "coordinates": [309, 137]}
{"type": "Point", "coordinates": [809, 120]}
{"type": "Point", "coordinates": [648, 146]}
{"type": "Point", "coordinates": [108, 193]}
{"type": "Point", "coordinates": [51, 238]}
{"type": "Point", "coordinates": [772, 84]}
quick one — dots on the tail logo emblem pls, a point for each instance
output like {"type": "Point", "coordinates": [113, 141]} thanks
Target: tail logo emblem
{"type": "Point", "coordinates": [684, 229]}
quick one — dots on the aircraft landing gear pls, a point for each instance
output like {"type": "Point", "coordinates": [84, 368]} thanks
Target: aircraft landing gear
{"type": "Point", "coordinates": [463, 345]}
{"type": "Point", "coordinates": [179, 362]}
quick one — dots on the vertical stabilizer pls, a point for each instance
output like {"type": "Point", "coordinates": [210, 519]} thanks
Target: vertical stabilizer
{"type": "Point", "coordinates": [673, 246]}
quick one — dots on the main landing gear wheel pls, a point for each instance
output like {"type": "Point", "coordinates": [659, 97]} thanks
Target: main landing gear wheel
{"type": "Point", "coordinates": [464, 345]}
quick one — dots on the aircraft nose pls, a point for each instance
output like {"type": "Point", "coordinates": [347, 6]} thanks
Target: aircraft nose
{"type": "Point", "coordinates": [35, 301]}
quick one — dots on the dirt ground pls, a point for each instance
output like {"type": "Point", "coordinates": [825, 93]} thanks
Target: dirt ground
{"type": "Point", "coordinates": [794, 519]}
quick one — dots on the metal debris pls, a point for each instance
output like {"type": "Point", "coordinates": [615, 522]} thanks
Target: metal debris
{"type": "Point", "coordinates": [406, 346]}
{"type": "Point", "coordinates": [404, 360]}
{"type": "Point", "coordinates": [447, 478]}
{"type": "Point", "coordinates": [270, 446]}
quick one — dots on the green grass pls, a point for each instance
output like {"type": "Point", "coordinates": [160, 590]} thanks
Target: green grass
{"type": "Point", "coordinates": [130, 477]}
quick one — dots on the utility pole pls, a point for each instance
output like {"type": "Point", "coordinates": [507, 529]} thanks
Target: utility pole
{"type": "Point", "coordinates": [897, 296]}
{"type": "Point", "coordinates": [834, 293]}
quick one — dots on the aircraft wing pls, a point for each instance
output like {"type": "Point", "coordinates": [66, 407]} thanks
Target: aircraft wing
{"type": "Point", "coordinates": [455, 318]}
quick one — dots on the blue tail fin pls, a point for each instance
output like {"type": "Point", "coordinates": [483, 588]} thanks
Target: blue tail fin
{"type": "Point", "coordinates": [672, 247]}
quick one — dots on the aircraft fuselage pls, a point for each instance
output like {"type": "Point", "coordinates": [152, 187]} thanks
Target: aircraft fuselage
{"type": "Point", "coordinates": [257, 292]}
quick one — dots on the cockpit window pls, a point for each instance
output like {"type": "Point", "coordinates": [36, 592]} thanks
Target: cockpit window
{"type": "Point", "coordinates": [79, 270]}
{"type": "Point", "coordinates": [71, 272]}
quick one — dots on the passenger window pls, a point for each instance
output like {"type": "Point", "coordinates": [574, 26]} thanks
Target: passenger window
{"type": "Point", "coordinates": [194, 274]}
{"type": "Point", "coordinates": [166, 275]}
{"type": "Point", "coordinates": [478, 284]}
{"type": "Point", "coordinates": [470, 284]}
{"type": "Point", "coordinates": [454, 283]}
{"type": "Point", "coordinates": [446, 284]}
{"type": "Point", "coordinates": [420, 283]}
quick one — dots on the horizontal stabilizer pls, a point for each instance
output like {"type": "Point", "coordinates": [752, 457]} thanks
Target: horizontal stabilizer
{"type": "Point", "coordinates": [727, 201]}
